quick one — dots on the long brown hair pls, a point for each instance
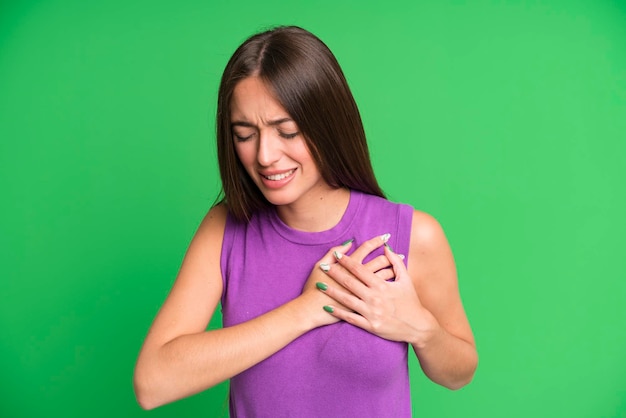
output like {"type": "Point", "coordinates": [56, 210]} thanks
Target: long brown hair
{"type": "Point", "coordinates": [308, 82]}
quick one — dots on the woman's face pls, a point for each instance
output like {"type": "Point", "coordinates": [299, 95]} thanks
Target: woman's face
{"type": "Point", "coordinates": [271, 147]}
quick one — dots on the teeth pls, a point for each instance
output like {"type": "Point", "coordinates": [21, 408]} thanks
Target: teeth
{"type": "Point", "coordinates": [276, 177]}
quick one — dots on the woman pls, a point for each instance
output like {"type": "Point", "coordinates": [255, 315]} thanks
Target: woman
{"type": "Point", "coordinates": [318, 309]}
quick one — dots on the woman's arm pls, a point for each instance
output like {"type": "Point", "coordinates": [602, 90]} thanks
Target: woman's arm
{"type": "Point", "coordinates": [447, 351]}
{"type": "Point", "coordinates": [422, 306]}
{"type": "Point", "coordinates": [180, 358]}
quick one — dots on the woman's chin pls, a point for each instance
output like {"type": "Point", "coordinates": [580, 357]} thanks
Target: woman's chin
{"type": "Point", "coordinates": [278, 199]}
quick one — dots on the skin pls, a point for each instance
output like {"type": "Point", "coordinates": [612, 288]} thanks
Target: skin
{"type": "Point", "coordinates": [422, 306]}
{"type": "Point", "coordinates": [268, 141]}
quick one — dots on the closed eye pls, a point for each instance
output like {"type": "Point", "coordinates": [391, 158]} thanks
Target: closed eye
{"type": "Point", "coordinates": [288, 135]}
{"type": "Point", "coordinates": [240, 138]}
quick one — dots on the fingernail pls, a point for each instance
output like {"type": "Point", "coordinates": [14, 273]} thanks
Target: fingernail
{"type": "Point", "coordinates": [389, 247]}
{"type": "Point", "coordinates": [347, 242]}
{"type": "Point", "coordinates": [329, 309]}
{"type": "Point", "coordinates": [401, 256]}
{"type": "Point", "coordinates": [321, 286]}
{"type": "Point", "coordinates": [325, 267]}
{"type": "Point", "coordinates": [385, 237]}
{"type": "Point", "coordinates": [337, 255]}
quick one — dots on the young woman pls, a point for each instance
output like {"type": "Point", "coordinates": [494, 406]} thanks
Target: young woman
{"type": "Point", "coordinates": [323, 282]}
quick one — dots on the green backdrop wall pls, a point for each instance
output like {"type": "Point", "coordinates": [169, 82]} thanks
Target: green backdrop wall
{"type": "Point", "coordinates": [504, 119]}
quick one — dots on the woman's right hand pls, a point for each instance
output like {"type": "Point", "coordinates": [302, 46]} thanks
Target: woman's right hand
{"type": "Point", "coordinates": [380, 265]}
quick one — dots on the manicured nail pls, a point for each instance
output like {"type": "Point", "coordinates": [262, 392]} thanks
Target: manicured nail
{"type": "Point", "coordinates": [401, 256]}
{"type": "Point", "coordinates": [347, 242]}
{"type": "Point", "coordinates": [385, 237]}
{"type": "Point", "coordinates": [329, 309]}
{"type": "Point", "coordinates": [325, 267]}
{"type": "Point", "coordinates": [321, 286]}
{"type": "Point", "coordinates": [389, 247]}
{"type": "Point", "coordinates": [337, 255]}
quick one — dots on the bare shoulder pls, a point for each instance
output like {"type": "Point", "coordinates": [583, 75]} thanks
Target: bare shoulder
{"type": "Point", "coordinates": [218, 211]}
{"type": "Point", "coordinates": [433, 270]}
{"type": "Point", "coordinates": [195, 294]}
{"type": "Point", "coordinates": [215, 219]}
{"type": "Point", "coordinates": [204, 251]}
{"type": "Point", "coordinates": [427, 235]}
{"type": "Point", "coordinates": [210, 232]}
{"type": "Point", "coordinates": [431, 264]}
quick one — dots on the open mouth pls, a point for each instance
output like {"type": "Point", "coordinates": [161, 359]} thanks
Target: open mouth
{"type": "Point", "coordinates": [277, 177]}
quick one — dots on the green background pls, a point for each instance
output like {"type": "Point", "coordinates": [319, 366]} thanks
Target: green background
{"type": "Point", "coordinates": [506, 120]}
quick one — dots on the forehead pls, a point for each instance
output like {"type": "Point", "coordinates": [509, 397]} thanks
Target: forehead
{"type": "Point", "coordinates": [252, 100]}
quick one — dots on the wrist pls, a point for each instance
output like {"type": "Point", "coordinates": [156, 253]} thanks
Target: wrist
{"type": "Point", "coordinates": [302, 312]}
{"type": "Point", "coordinates": [427, 335]}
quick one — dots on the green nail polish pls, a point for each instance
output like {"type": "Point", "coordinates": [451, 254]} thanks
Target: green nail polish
{"type": "Point", "coordinates": [321, 286]}
{"type": "Point", "coordinates": [329, 309]}
{"type": "Point", "coordinates": [337, 255]}
{"type": "Point", "coordinates": [347, 242]}
{"type": "Point", "coordinates": [389, 246]}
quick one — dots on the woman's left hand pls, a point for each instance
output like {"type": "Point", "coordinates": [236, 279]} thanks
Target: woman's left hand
{"type": "Point", "coordinates": [389, 309]}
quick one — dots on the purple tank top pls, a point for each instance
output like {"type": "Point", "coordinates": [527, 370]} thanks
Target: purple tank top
{"type": "Point", "coordinates": [337, 370]}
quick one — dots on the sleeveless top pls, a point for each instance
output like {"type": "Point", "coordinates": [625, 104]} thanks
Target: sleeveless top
{"type": "Point", "coordinates": [337, 370]}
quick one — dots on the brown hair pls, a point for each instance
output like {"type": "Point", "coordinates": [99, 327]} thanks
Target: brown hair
{"type": "Point", "coordinates": [308, 82]}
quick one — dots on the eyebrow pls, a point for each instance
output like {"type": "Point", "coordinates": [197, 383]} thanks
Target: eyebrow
{"type": "Point", "coordinates": [251, 125]}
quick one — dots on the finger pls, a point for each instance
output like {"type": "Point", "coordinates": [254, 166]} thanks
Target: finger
{"type": "Point", "coordinates": [342, 297]}
{"type": "Point", "coordinates": [353, 274]}
{"type": "Point", "coordinates": [397, 263]}
{"type": "Point", "coordinates": [386, 274]}
{"type": "Point", "coordinates": [378, 263]}
{"type": "Point", "coordinates": [347, 281]}
{"type": "Point", "coordinates": [329, 257]}
{"type": "Point", "coordinates": [369, 246]}
{"type": "Point", "coordinates": [348, 316]}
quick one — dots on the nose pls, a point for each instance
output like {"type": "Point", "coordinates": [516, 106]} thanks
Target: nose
{"type": "Point", "coordinates": [268, 151]}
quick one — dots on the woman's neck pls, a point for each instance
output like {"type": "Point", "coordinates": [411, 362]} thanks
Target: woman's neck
{"type": "Point", "coordinates": [320, 211]}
